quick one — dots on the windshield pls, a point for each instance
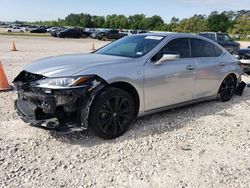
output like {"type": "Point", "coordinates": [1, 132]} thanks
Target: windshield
{"type": "Point", "coordinates": [132, 46]}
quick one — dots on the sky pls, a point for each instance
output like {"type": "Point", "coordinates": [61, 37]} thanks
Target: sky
{"type": "Point", "coordinates": [36, 10]}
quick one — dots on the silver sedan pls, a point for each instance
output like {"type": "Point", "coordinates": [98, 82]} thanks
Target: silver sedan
{"type": "Point", "coordinates": [134, 76]}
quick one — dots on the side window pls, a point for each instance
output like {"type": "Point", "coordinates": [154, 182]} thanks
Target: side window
{"type": "Point", "coordinates": [223, 37]}
{"type": "Point", "coordinates": [178, 46]}
{"type": "Point", "coordinates": [114, 31]}
{"type": "Point", "coordinates": [202, 48]}
{"type": "Point", "coordinates": [218, 51]}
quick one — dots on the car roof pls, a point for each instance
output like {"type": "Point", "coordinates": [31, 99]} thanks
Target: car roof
{"type": "Point", "coordinates": [170, 34]}
{"type": "Point", "coordinates": [180, 35]}
{"type": "Point", "coordinates": [212, 33]}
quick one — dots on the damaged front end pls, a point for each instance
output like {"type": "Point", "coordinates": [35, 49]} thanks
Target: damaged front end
{"type": "Point", "coordinates": [60, 104]}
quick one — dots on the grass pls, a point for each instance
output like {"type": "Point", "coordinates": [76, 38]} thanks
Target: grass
{"type": "Point", "coordinates": [26, 34]}
{"type": "Point", "coordinates": [244, 39]}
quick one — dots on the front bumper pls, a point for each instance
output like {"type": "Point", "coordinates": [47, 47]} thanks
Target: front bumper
{"type": "Point", "coordinates": [59, 110]}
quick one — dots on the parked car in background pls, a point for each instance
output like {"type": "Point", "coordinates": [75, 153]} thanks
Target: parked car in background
{"type": "Point", "coordinates": [70, 33]}
{"type": "Point", "coordinates": [142, 31]}
{"type": "Point", "coordinates": [224, 40]}
{"type": "Point", "coordinates": [51, 29]}
{"type": "Point", "coordinates": [112, 34]}
{"type": "Point", "coordinates": [134, 76]}
{"type": "Point", "coordinates": [244, 56]}
{"type": "Point", "coordinates": [39, 30]}
{"type": "Point", "coordinates": [85, 34]}
{"type": "Point", "coordinates": [16, 29]}
{"type": "Point", "coordinates": [133, 32]}
{"type": "Point", "coordinates": [55, 32]}
{"type": "Point", "coordinates": [32, 27]}
{"type": "Point", "coordinates": [89, 31]}
{"type": "Point", "coordinates": [95, 34]}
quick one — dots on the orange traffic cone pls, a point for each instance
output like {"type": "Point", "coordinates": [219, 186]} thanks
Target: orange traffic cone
{"type": "Point", "coordinates": [4, 85]}
{"type": "Point", "coordinates": [13, 47]}
{"type": "Point", "coordinates": [93, 46]}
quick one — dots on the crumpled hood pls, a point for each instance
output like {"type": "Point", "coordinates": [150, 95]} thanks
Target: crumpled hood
{"type": "Point", "coordinates": [68, 65]}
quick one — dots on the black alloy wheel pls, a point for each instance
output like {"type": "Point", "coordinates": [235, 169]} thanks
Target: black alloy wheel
{"type": "Point", "coordinates": [111, 113]}
{"type": "Point", "coordinates": [227, 88]}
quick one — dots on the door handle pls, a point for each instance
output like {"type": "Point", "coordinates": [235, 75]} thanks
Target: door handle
{"type": "Point", "coordinates": [222, 64]}
{"type": "Point", "coordinates": [190, 67]}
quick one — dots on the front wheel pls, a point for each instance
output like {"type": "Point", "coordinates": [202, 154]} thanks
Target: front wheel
{"type": "Point", "coordinates": [227, 88]}
{"type": "Point", "coordinates": [111, 113]}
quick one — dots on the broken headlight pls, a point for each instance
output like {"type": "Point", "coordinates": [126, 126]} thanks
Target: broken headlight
{"type": "Point", "coordinates": [61, 83]}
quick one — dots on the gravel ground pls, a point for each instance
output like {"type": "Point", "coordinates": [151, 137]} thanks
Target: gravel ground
{"type": "Point", "coordinates": [202, 145]}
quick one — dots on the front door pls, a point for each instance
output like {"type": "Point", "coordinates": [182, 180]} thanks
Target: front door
{"type": "Point", "coordinates": [171, 82]}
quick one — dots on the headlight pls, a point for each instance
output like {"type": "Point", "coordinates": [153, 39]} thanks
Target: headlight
{"type": "Point", "coordinates": [60, 83]}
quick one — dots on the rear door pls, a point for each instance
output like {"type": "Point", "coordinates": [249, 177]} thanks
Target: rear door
{"type": "Point", "coordinates": [72, 33]}
{"type": "Point", "coordinates": [16, 29]}
{"type": "Point", "coordinates": [171, 82]}
{"type": "Point", "coordinates": [114, 34]}
{"type": "Point", "coordinates": [210, 67]}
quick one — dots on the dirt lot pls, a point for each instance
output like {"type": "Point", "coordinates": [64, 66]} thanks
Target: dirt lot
{"type": "Point", "coordinates": [203, 145]}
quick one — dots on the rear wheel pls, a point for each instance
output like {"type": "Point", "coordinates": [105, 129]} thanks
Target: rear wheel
{"type": "Point", "coordinates": [111, 113]}
{"type": "Point", "coordinates": [104, 38]}
{"type": "Point", "coordinates": [227, 88]}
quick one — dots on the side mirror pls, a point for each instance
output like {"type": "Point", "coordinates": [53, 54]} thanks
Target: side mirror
{"type": "Point", "coordinates": [168, 57]}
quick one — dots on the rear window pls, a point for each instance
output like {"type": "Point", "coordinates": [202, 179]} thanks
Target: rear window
{"type": "Point", "coordinates": [202, 48]}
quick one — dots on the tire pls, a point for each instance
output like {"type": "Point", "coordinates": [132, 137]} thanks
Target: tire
{"type": "Point", "coordinates": [227, 88]}
{"type": "Point", "coordinates": [21, 31]}
{"type": "Point", "coordinates": [111, 113]}
{"type": "Point", "coordinates": [104, 38]}
{"type": "Point", "coordinates": [9, 31]}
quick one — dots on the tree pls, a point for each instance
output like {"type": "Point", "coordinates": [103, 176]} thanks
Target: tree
{"type": "Point", "coordinates": [121, 22]}
{"type": "Point", "coordinates": [72, 20]}
{"type": "Point", "coordinates": [153, 23]}
{"type": "Point", "coordinates": [235, 22]}
{"type": "Point", "coordinates": [195, 24]}
{"type": "Point", "coordinates": [175, 20]}
{"type": "Point", "coordinates": [219, 22]}
{"type": "Point", "coordinates": [242, 25]}
{"type": "Point", "coordinates": [98, 21]}
{"type": "Point", "coordinates": [136, 21]}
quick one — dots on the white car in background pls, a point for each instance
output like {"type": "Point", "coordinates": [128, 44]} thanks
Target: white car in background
{"type": "Point", "coordinates": [16, 29]}
{"type": "Point", "coordinates": [31, 28]}
{"type": "Point", "coordinates": [52, 29]}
